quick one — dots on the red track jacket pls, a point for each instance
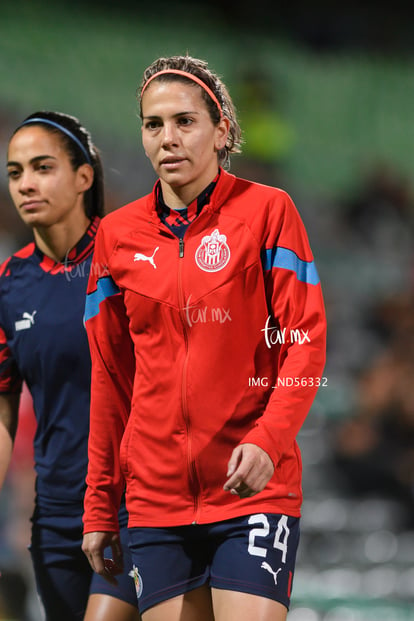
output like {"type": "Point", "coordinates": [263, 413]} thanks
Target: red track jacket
{"type": "Point", "coordinates": [199, 345]}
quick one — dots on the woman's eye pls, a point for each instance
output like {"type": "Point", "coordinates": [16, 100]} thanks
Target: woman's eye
{"type": "Point", "coordinates": [152, 125]}
{"type": "Point", "coordinates": [13, 174]}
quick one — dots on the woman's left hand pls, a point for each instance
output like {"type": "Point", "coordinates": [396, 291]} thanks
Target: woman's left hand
{"type": "Point", "coordinates": [249, 470]}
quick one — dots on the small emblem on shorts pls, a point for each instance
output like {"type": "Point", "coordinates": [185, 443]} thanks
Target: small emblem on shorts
{"type": "Point", "coordinates": [26, 322]}
{"type": "Point", "coordinates": [134, 573]}
{"type": "Point", "coordinates": [267, 567]}
{"type": "Point", "coordinates": [213, 253]}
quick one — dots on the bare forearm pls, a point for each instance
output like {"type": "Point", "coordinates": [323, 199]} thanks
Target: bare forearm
{"type": "Point", "coordinates": [6, 448]}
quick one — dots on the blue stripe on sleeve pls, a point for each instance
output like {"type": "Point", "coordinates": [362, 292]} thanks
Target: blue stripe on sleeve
{"type": "Point", "coordinates": [105, 288]}
{"type": "Point", "coordinates": [286, 259]}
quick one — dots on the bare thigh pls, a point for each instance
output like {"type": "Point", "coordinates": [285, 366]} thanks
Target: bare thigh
{"type": "Point", "coordinates": [194, 605]}
{"type": "Point", "coordinates": [102, 607]}
{"type": "Point", "coordinates": [236, 606]}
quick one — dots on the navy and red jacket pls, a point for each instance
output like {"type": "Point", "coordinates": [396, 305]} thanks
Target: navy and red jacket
{"type": "Point", "coordinates": [43, 342]}
{"type": "Point", "coordinates": [199, 344]}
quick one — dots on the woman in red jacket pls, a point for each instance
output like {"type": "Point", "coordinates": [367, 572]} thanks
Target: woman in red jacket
{"type": "Point", "coordinates": [207, 330]}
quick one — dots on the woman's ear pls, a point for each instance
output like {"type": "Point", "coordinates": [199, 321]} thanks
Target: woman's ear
{"type": "Point", "coordinates": [84, 177]}
{"type": "Point", "coordinates": [222, 131]}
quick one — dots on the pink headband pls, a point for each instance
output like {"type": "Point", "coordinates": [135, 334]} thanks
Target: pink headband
{"type": "Point", "coordinates": [190, 76]}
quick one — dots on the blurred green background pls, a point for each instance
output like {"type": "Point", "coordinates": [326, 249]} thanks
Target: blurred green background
{"type": "Point", "coordinates": [342, 92]}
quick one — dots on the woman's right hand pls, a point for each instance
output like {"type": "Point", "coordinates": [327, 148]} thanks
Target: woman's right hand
{"type": "Point", "coordinates": [94, 545]}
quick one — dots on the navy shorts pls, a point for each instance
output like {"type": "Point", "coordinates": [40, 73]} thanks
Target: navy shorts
{"type": "Point", "coordinates": [64, 578]}
{"type": "Point", "coordinates": [254, 554]}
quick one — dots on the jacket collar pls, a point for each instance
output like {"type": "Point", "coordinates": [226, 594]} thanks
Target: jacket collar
{"type": "Point", "coordinates": [219, 195]}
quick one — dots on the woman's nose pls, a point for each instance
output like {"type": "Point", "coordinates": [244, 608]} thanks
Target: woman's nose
{"type": "Point", "coordinates": [169, 134]}
{"type": "Point", "coordinates": [26, 182]}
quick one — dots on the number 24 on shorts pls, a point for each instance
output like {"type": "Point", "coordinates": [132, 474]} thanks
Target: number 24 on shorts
{"type": "Point", "coordinates": [281, 536]}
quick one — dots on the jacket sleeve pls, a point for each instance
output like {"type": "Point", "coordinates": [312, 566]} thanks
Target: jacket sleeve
{"type": "Point", "coordinates": [10, 378]}
{"type": "Point", "coordinates": [297, 314]}
{"type": "Point", "coordinates": [113, 369]}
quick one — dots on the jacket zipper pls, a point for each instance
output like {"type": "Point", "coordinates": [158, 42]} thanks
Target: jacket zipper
{"type": "Point", "coordinates": [194, 483]}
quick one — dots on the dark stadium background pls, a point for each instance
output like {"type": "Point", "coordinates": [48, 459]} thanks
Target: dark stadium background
{"type": "Point", "coordinates": [325, 95]}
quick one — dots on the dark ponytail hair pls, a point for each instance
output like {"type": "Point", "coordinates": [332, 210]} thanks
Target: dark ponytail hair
{"type": "Point", "coordinates": [78, 144]}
